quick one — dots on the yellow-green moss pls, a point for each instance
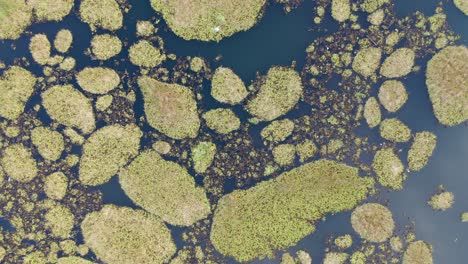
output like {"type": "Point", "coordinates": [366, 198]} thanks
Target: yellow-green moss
{"type": "Point", "coordinates": [418, 253]}
{"type": "Point", "coordinates": [398, 64]}
{"type": "Point", "coordinates": [144, 28]}
{"type": "Point", "coordinates": [55, 185]}
{"type": "Point", "coordinates": [144, 54]}
{"type": "Point", "coordinates": [462, 5]}
{"type": "Point", "coordinates": [60, 221]}
{"type": "Point", "coordinates": [306, 149]}
{"type": "Point", "coordinates": [98, 80]}
{"type": "Point", "coordinates": [389, 169]}
{"type": "Point", "coordinates": [395, 130]}
{"type": "Point", "coordinates": [335, 258]}
{"type": "Point", "coordinates": [51, 10]}
{"type": "Point", "coordinates": [344, 241]}
{"type": "Point", "coordinates": [278, 131]}
{"type": "Point", "coordinates": [392, 95]}
{"type": "Point", "coordinates": [227, 87]}
{"type": "Point", "coordinates": [73, 260]}
{"type": "Point", "coordinates": [150, 182]}
{"type": "Point", "coordinates": [106, 151]}
{"type": "Point", "coordinates": [103, 14]}
{"type": "Point", "coordinates": [103, 102]}
{"type": "Point", "coordinates": [222, 120]}
{"type": "Point", "coordinates": [18, 163]}
{"type": "Point", "coordinates": [15, 16]}
{"type": "Point", "coordinates": [119, 235]}
{"type": "Point", "coordinates": [170, 108]}
{"type": "Point", "coordinates": [63, 40]}
{"type": "Point", "coordinates": [105, 46]}
{"type": "Point", "coordinates": [442, 201]}
{"type": "Point", "coordinates": [202, 155]}
{"type": "Point", "coordinates": [17, 86]}
{"type": "Point", "coordinates": [40, 48]}
{"type": "Point", "coordinates": [373, 222]}
{"type": "Point", "coordinates": [341, 9]}
{"type": "Point", "coordinates": [367, 61]}
{"type": "Point", "coordinates": [372, 112]}
{"type": "Point", "coordinates": [421, 150]}
{"type": "Point", "coordinates": [48, 142]}
{"type": "Point", "coordinates": [284, 154]}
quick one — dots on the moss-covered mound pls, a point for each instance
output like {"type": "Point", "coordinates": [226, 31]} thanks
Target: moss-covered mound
{"type": "Point", "coordinates": [98, 80]}
{"type": "Point", "coordinates": [389, 169]}
{"type": "Point", "coordinates": [398, 64]}
{"type": "Point", "coordinates": [367, 61]}
{"type": "Point", "coordinates": [284, 154]}
{"type": "Point", "coordinates": [392, 95]}
{"type": "Point", "coordinates": [277, 95]}
{"type": "Point", "coordinates": [462, 5]}
{"type": "Point", "coordinates": [442, 201]}
{"type": "Point", "coordinates": [121, 235]}
{"type": "Point", "coordinates": [418, 253]}
{"type": "Point", "coordinates": [144, 54]}
{"type": "Point", "coordinates": [421, 150]}
{"type": "Point", "coordinates": [103, 14]}
{"type": "Point", "coordinates": [277, 131]}
{"type": "Point", "coordinates": [17, 86]}
{"type": "Point", "coordinates": [372, 112]}
{"type": "Point", "coordinates": [51, 10]}
{"type": "Point", "coordinates": [395, 130]}
{"type": "Point", "coordinates": [341, 9]}
{"type": "Point", "coordinates": [202, 156]}
{"type": "Point", "coordinates": [55, 185]}
{"type": "Point", "coordinates": [222, 120]}
{"type": "Point", "coordinates": [150, 181]}
{"type": "Point", "coordinates": [275, 214]}
{"type": "Point", "coordinates": [40, 48]}
{"type": "Point", "coordinates": [63, 40]}
{"type": "Point", "coordinates": [49, 143]}
{"type": "Point", "coordinates": [60, 220]}
{"type": "Point", "coordinates": [448, 86]}
{"type": "Point", "coordinates": [15, 16]}
{"type": "Point", "coordinates": [73, 260]}
{"type": "Point", "coordinates": [105, 46]}
{"type": "Point", "coordinates": [373, 222]}
{"type": "Point", "coordinates": [209, 20]}
{"type": "Point", "coordinates": [18, 163]}
{"type": "Point", "coordinates": [227, 87]}
{"type": "Point", "coordinates": [70, 107]}
{"type": "Point", "coordinates": [170, 108]}
{"type": "Point", "coordinates": [106, 151]}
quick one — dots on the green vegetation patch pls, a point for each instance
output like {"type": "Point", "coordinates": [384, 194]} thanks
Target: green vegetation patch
{"type": "Point", "coordinates": [18, 163]}
{"type": "Point", "coordinates": [367, 61]}
{"type": "Point", "coordinates": [15, 16]}
{"type": "Point", "coordinates": [202, 155]}
{"type": "Point", "coordinates": [106, 151]}
{"type": "Point", "coordinates": [442, 201]}
{"type": "Point", "coordinates": [389, 169]}
{"type": "Point", "coordinates": [448, 86]}
{"type": "Point", "coordinates": [150, 182]}
{"type": "Point", "coordinates": [73, 260]}
{"type": "Point", "coordinates": [55, 185]}
{"type": "Point", "coordinates": [170, 108]}
{"type": "Point", "coordinates": [373, 222]}
{"type": "Point", "coordinates": [119, 235]}
{"type": "Point", "coordinates": [418, 253]}
{"type": "Point", "coordinates": [395, 130]}
{"type": "Point", "coordinates": [17, 86]}
{"type": "Point", "coordinates": [306, 149]}
{"type": "Point", "coordinates": [278, 131]}
{"type": "Point", "coordinates": [98, 80]}
{"type": "Point", "coordinates": [51, 10]}
{"type": "Point", "coordinates": [462, 5]}
{"type": "Point", "coordinates": [392, 95]}
{"type": "Point", "coordinates": [145, 28]}
{"type": "Point", "coordinates": [284, 154]}
{"type": "Point", "coordinates": [335, 258]}
{"type": "Point", "coordinates": [48, 142]}
{"type": "Point", "coordinates": [70, 107]}
{"type": "Point", "coordinates": [372, 112]}
{"type": "Point", "coordinates": [275, 214]}
{"type": "Point", "coordinates": [227, 87]}
{"type": "Point", "coordinates": [103, 102]}
{"type": "Point", "coordinates": [40, 48]}
{"type": "Point", "coordinates": [421, 150]}
{"type": "Point", "coordinates": [63, 40]}
{"type": "Point", "coordinates": [103, 14]}
{"type": "Point", "coordinates": [60, 220]}
{"type": "Point", "coordinates": [464, 217]}
{"type": "Point", "coordinates": [222, 120]}
{"type": "Point", "coordinates": [208, 20]}
{"type": "Point", "coordinates": [144, 54]}
{"type": "Point", "coordinates": [341, 9]}
{"type": "Point", "coordinates": [280, 92]}
{"type": "Point", "coordinates": [398, 64]}
{"type": "Point", "coordinates": [344, 241]}
{"type": "Point", "coordinates": [105, 46]}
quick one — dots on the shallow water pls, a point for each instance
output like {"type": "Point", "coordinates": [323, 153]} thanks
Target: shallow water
{"type": "Point", "coordinates": [280, 39]}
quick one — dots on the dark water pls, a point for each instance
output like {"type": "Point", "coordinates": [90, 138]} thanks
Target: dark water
{"type": "Point", "coordinates": [280, 39]}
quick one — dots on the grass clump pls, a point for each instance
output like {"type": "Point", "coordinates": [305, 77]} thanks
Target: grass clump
{"type": "Point", "coordinates": [60, 220]}
{"type": "Point", "coordinates": [15, 16]}
{"type": "Point", "coordinates": [464, 217]}
{"type": "Point", "coordinates": [344, 241]}
{"type": "Point", "coordinates": [106, 151]}
{"type": "Point", "coordinates": [145, 28]}
{"type": "Point", "coordinates": [227, 87]}
{"type": "Point", "coordinates": [372, 112]}
{"type": "Point", "coordinates": [18, 163]}
{"type": "Point", "coordinates": [103, 14]}
{"type": "Point", "coordinates": [144, 54]}
{"type": "Point", "coordinates": [442, 201]}
{"type": "Point", "coordinates": [17, 86]}
{"type": "Point", "coordinates": [73, 260]}
{"type": "Point", "coordinates": [398, 64]}
{"type": "Point", "coordinates": [51, 10]}
{"type": "Point", "coordinates": [40, 48]}
{"type": "Point", "coordinates": [170, 108]}
{"type": "Point", "coordinates": [69, 107]}
{"type": "Point", "coordinates": [278, 130]}
{"type": "Point", "coordinates": [462, 5]}
{"type": "Point", "coordinates": [208, 20]}
{"type": "Point", "coordinates": [202, 155]}
{"type": "Point", "coordinates": [49, 143]}
{"type": "Point", "coordinates": [98, 80]}
{"type": "Point", "coordinates": [373, 222]}
{"type": "Point", "coordinates": [392, 95]}
{"type": "Point", "coordinates": [367, 61]}
{"type": "Point", "coordinates": [395, 130]}
{"type": "Point", "coordinates": [418, 252]}
{"type": "Point", "coordinates": [335, 258]}
{"type": "Point", "coordinates": [150, 182]}
{"type": "Point", "coordinates": [284, 154]}
{"type": "Point", "coordinates": [275, 214]}
{"type": "Point", "coordinates": [306, 149]}
{"type": "Point", "coordinates": [341, 9]}
{"type": "Point", "coordinates": [119, 235]}
{"type": "Point", "coordinates": [447, 85]}
{"type": "Point", "coordinates": [55, 185]}
{"type": "Point", "coordinates": [222, 120]}
{"type": "Point", "coordinates": [105, 46]}
{"type": "Point", "coordinates": [421, 150]}
{"type": "Point", "coordinates": [63, 40]}
{"type": "Point", "coordinates": [389, 169]}
{"type": "Point", "coordinates": [104, 102]}
{"type": "Point", "coordinates": [280, 92]}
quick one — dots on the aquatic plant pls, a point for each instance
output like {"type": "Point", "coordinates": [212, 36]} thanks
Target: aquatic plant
{"type": "Point", "coordinates": [144, 54]}
{"type": "Point", "coordinates": [367, 61]}
{"type": "Point", "coordinates": [15, 16]}
{"type": "Point", "coordinates": [40, 48]}
{"type": "Point", "coordinates": [395, 130]}
{"type": "Point", "coordinates": [105, 46]}
{"type": "Point", "coordinates": [389, 169]}
{"type": "Point", "coordinates": [335, 258]}
{"type": "Point", "coordinates": [372, 112]}
{"type": "Point", "coordinates": [222, 120]}
{"type": "Point", "coordinates": [55, 185]}
{"type": "Point", "coordinates": [202, 155]}
{"type": "Point", "coordinates": [442, 201]}
{"type": "Point", "coordinates": [462, 5]}
{"type": "Point", "coordinates": [278, 130]}
{"type": "Point", "coordinates": [227, 87]}
{"type": "Point", "coordinates": [418, 252]}
{"type": "Point", "coordinates": [60, 220]}
{"type": "Point", "coordinates": [63, 40]}
{"type": "Point", "coordinates": [145, 28]}
{"type": "Point", "coordinates": [421, 150]}
{"type": "Point", "coordinates": [284, 154]}
{"type": "Point", "coordinates": [49, 143]}
{"type": "Point", "coordinates": [51, 10]}
{"type": "Point", "coordinates": [306, 150]}
{"type": "Point", "coordinates": [373, 222]}
{"type": "Point", "coordinates": [341, 9]}
{"type": "Point", "coordinates": [17, 86]}
{"type": "Point", "coordinates": [18, 163]}
{"type": "Point", "coordinates": [105, 14]}
{"type": "Point", "coordinates": [398, 64]}
{"type": "Point", "coordinates": [392, 95]}
{"type": "Point", "coordinates": [98, 80]}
